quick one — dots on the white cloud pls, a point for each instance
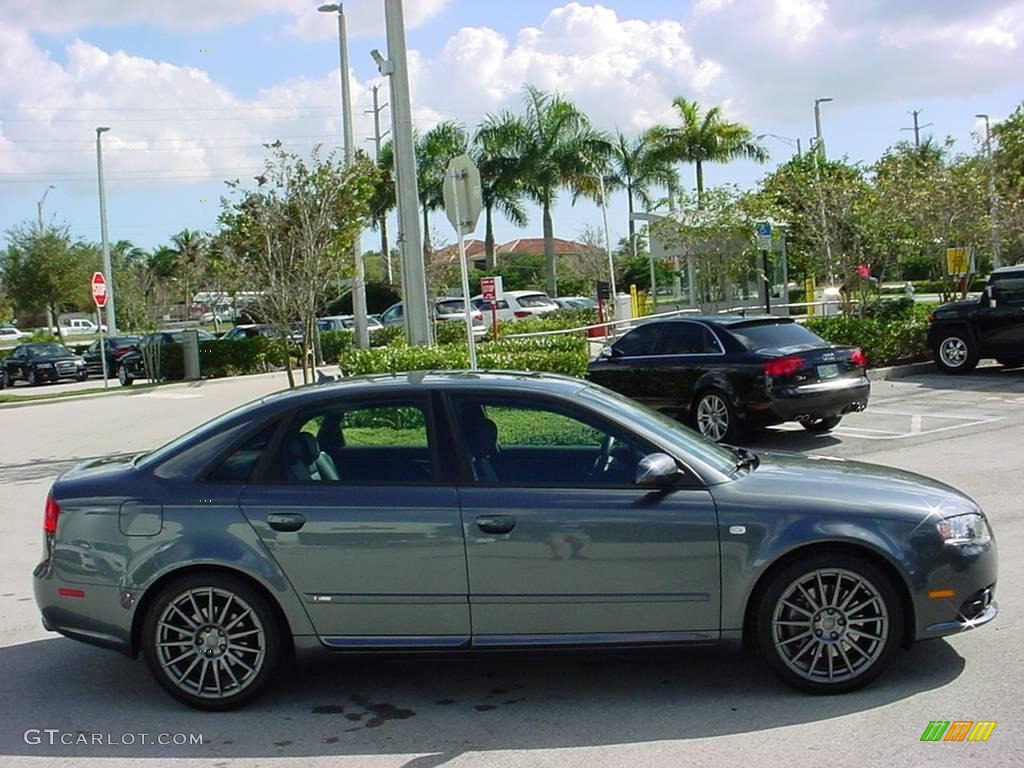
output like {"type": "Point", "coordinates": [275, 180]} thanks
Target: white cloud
{"type": "Point", "coordinates": [364, 16]}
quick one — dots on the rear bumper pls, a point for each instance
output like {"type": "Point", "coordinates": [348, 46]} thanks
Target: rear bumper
{"type": "Point", "coordinates": [815, 401]}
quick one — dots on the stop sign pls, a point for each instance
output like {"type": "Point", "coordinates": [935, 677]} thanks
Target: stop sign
{"type": "Point", "coordinates": [99, 289]}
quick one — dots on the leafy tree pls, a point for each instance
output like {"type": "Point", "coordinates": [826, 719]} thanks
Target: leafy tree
{"type": "Point", "coordinates": [705, 137]}
{"type": "Point", "coordinates": [383, 202]}
{"type": "Point", "coordinates": [190, 252]}
{"type": "Point", "coordinates": [501, 174]}
{"type": "Point", "coordinates": [434, 150]}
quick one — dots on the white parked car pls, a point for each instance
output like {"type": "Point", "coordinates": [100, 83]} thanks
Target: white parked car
{"type": "Point", "coordinates": [346, 323]}
{"type": "Point", "coordinates": [516, 305]}
{"type": "Point", "coordinates": [445, 310]}
{"type": "Point", "coordinates": [78, 326]}
{"type": "Point", "coordinates": [10, 333]}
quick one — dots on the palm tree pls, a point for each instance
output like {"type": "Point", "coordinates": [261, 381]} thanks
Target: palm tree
{"type": "Point", "coordinates": [189, 248]}
{"type": "Point", "coordinates": [557, 147]}
{"type": "Point", "coordinates": [705, 137]}
{"type": "Point", "coordinates": [383, 202]}
{"type": "Point", "coordinates": [434, 150]}
{"type": "Point", "coordinates": [501, 174]}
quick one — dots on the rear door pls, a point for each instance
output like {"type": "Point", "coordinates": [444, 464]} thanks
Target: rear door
{"type": "Point", "coordinates": [352, 508]}
{"type": "Point", "coordinates": [684, 352]}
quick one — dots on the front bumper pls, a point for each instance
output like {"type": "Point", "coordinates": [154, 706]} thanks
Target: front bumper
{"type": "Point", "coordinates": [816, 401]}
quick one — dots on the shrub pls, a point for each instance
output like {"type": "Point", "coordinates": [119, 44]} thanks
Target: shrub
{"type": "Point", "coordinates": [898, 339]}
{"type": "Point", "coordinates": [333, 344]}
{"type": "Point", "coordinates": [561, 320]}
{"type": "Point", "coordinates": [387, 336]}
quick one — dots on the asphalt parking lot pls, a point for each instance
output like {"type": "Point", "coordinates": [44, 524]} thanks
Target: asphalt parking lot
{"type": "Point", "coordinates": [667, 708]}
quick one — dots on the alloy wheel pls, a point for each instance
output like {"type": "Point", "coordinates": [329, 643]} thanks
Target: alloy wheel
{"type": "Point", "coordinates": [953, 351]}
{"type": "Point", "coordinates": [210, 643]}
{"type": "Point", "coordinates": [830, 625]}
{"type": "Point", "coordinates": [713, 417]}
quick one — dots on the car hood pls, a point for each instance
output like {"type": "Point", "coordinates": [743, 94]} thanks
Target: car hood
{"type": "Point", "coordinates": [55, 358]}
{"type": "Point", "coordinates": [825, 483]}
{"type": "Point", "coordinates": [957, 307]}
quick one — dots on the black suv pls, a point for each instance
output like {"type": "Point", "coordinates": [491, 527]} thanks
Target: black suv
{"type": "Point", "coordinates": [963, 332]}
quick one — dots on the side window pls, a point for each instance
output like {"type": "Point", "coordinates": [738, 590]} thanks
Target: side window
{"type": "Point", "coordinates": [237, 468]}
{"type": "Point", "coordinates": [507, 442]}
{"type": "Point", "coordinates": [640, 341]}
{"type": "Point", "coordinates": [1011, 288]}
{"type": "Point", "coordinates": [357, 444]}
{"type": "Point", "coordinates": [686, 339]}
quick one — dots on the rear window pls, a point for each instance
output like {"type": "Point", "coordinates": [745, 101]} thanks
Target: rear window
{"type": "Point", "coordinates": [536, 300]}
{"type": "Point", "coordinates": [450, 307]}
{"type": "Point", "coordinates": [776, 336]}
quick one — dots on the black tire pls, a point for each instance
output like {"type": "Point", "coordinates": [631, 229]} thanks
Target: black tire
{"type": "Point", "coordinates": [956, 352]}
{"type": "Point", "coordinates": [829, 623]}
{"type": "Point", "coordinates": [204, 644]}
{"type": "Point", "coordinates": [818, 426]}
{"type": "Point", "coordinates": [123, 376]}
{"type": "Point", "coordinates": [81, 376]}
{"type": "Point", "coordinates": [32, 381]}
{"type": "Point", "coordinates": [714, 416]}
{"type": "Point", "coordinates": [1010, 362]}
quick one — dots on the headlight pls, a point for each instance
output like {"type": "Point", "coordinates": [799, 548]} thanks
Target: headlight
{"type": "Point", "coordinates": [965, 529]}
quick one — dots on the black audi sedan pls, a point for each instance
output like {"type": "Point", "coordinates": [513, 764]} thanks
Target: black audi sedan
{"type": "Point", "coordinates": [42, 362]}
{"type": "Point", "coordinates": [722, 374]}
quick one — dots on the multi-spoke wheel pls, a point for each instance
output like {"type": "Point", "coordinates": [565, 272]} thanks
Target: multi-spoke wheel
{"type": "Point", "coordinates": [829, 624]}
{"type": "Point", "coordinates": [956, 353]}
{"type": "Point", "coordinates": [211, 641]}
{"type": "Point", "coordinates": [715, 417]}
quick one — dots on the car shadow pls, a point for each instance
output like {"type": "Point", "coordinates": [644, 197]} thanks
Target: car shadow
{"type": "Point", "coordinates": [435, 707]}
{"type": "Point", "coordinates": [988, 378]}
{"type": "Point", "coordinates": [796, 440]}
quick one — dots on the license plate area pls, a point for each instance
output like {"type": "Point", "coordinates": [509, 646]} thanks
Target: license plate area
{"type": "Point", "coordinates": [826, 372]}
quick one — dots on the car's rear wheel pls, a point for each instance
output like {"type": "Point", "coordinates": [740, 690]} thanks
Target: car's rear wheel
{"type": "Point", "coordinates": [829, 624]}
{"type": "Point", "coordinates": [821, 425]}
{"type": "Point", "coordinates": [956, 353]}
{"type": "Point", "coordinates": [715, 417]}
{"type": "Point", "coordinates": [212, 641]}
{"type": "Point", "coordinates": [123, 377]}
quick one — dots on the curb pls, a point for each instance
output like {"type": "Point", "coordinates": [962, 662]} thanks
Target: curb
{"type": "Point", "coordinates": [900, 371]}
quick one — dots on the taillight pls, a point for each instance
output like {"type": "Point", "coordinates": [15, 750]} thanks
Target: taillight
{"type": "Point", "coordinates": [520, 314]}
{"type": "Point", "coordinates": [858, 358]}
{"type": "Point", "coordinates": [50, 516]}
{"type": "Point", "coordinates": [783, 366]}
{"type": "Point", "coordinates": [120, 351]}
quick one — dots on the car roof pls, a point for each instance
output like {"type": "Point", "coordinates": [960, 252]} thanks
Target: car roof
{"type": "Point", "coordinates": [526, 293]}
{"type": "Point", "coordinates": [725, 321]}
{"type": "Point", "coordinates": [1010, 269]}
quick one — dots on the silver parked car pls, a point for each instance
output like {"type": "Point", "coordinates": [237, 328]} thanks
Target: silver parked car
{"type": "Point", "coordinates": [467, 510]}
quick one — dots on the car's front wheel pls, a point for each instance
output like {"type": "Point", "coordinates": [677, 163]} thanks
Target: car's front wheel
{"type": "Point", "coordinates": [715, 417]}
{"type": "Point", "coordinates": [821, 425]}
{"type": "Point", "coordinates": [123, 376]}
{"type": "Point", "coordinates": [956, 352]}
{"type": "Point", "coordinates": [212, 641]}
{"type": "Point", "coordinates": [32, 380]}
{"type": "Point", "coordinates": [829, 623]}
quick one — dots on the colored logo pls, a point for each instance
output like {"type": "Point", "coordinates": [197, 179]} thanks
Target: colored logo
{"type": "Point", "coordinates": [958, 730]}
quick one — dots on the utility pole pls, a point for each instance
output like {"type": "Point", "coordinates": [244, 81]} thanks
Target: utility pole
{"type": "Point", "coordinates": [993, 202]}
{"type": "Point", "coordinates": [359, 282]}
{"type": "Point", "coordinates": [382, 221]}
{"type": "Point", "coordinates": [917, 128]}
{"type": "Point", "coordinates": [111, 325]}
{"type": "Point", "coordinates": [820, 141]}
{"type": "Point", "coordinates": [414, 283]}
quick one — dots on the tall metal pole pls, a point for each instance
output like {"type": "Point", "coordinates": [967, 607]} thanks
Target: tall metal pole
{"type": "Point", "coordinates": [39, 206]}
{"type": "Point", "coordinates": [383, 222]}
{"type": "Point", "coordinates": [111, 324]}
{"type": "Point", "coordinates": [992, 201]}
{"type": "Point", "coordinates": [917, 126]}
{"type": "Point", "coordinates": [820, 143]}
{"type": "Point", "coordinates": [413, 274]}
{"type": "Point", "coordinates": [359, 281]}
{"type": "Point", "coordinates": [608, 240]}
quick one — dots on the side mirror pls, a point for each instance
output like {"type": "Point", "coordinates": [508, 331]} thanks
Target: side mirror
{"type": "Point", "coordinates": [610, 353]}
{"type": "Point", "coordinates": [657, 471]}
{"type": "Point", "coordinates": [993, 295]}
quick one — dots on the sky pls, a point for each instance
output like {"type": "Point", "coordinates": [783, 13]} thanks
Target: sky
{"type": "Point", "coordinates": [192, 89]}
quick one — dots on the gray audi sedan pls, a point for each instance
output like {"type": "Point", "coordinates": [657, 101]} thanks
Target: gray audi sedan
{"type": "Point", "coordinates": [475, 511]}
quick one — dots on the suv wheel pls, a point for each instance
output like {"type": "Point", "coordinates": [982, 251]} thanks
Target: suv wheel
{"type": "Point", "coordinates": [211, 641]}
{"type": "Point", "coordinates": [123, 377]}
{"type": "Point", "coordinates": [32, 381]}
{"type": "Point", "coordinates": [829, 624]}
{"type": "Point", "coordinates": [956, 353]}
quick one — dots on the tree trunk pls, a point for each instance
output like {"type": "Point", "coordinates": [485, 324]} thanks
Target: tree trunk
{"type": "Point", "coordinates": [700, 185]}
{"type": "Point", "coordinates": [385, 251]}
{"type": "Point", "coordinates": [549, 251]}
{"type": "Point", "coordinates": [632, 224]}
{"type": "Point", "coordinates": [288, 360]}
{"type": "Point", "coordinates": [428, 249]}
{"type": "Point", "coordinates": [489, 254]}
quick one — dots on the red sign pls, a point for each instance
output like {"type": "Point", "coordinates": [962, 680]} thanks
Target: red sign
{"type": "Point", "coordinates": [99, 289]}
{"type": "Point", "coordinates": [488, 290]}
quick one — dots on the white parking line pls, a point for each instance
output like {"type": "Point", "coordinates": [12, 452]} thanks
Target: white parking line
{"type": "Point", "coordinates": [170, 396]}
{"type": "Point", "coordinates": [852, 430]}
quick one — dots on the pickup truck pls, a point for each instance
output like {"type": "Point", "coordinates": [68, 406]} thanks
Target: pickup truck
{"type": "Point", "coordinates": [963, 332]}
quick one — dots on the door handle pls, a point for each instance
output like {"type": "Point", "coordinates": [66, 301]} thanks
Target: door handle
{"type": "Point", "coordinates": [286, 522]}
{"type": "Point", "coordinates": [496, 523]}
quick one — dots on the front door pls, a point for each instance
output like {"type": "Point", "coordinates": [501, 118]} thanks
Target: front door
{"type": "Point", "coordinates": [1002, 326]}
{"type": "Point", "coordinates": [352, 510]}
{"type": "Point", "coordinates": [562, 547]}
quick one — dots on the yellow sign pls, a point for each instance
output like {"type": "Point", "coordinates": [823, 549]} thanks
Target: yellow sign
{"type": "Point", "coordinates": [958, 261]}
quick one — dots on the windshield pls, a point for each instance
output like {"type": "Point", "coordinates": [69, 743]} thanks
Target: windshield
{"type": "Point", "coordinates": [668, 430]}
{"type": "Point", "coordinates": [536, 300]}
{"type": "Point", "coordinates": [776, 336]}
{"type": "Point", "coordinates": [48, 350]}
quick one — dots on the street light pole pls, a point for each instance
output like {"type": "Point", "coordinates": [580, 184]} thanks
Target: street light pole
{"type": "Point", "coordinates": [111, 324]}
{"type": "Point", "coordinates": [820, 143]}
{"type": "Point", "coordinates": [417, 323]}
{"type": "Point", "coordinates": [359, 282]}
{"type": "Point", "coordinates": [992, 201]}
{"type": "Point", "coordinates": [39, 206]}
{"type": "Point", "coordinates": [785, 140]}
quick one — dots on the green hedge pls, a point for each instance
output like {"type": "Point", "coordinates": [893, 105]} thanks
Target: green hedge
{"type": "Point", "coordinates": [886, 339]}
{"type": "Point", "coordinates": [561, 320]}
